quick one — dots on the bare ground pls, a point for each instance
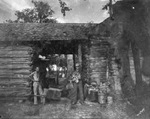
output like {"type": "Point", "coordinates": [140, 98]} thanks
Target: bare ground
{"type": "Point", "coordinates": [63, 110]}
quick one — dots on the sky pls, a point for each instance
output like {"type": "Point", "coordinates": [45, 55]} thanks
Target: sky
{"type": "Point", "coordinates": [83, 11]}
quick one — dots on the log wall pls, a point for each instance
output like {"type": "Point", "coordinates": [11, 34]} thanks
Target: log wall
{"type": "Point", "coordinates": [14, 70]}
{"type": "Point", "coordinates": [98, 62]}
{"type": "Point", "coordinates": [114, 77]}
{"type": "Point", "coordinates": [98, 59]}
{"type": "Point", "coordinates": [85, 61]}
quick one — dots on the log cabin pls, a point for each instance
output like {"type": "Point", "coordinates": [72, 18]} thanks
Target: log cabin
{"type": "Point", "coordinates": [18, 42]}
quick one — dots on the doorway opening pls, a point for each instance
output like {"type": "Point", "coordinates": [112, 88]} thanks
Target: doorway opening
{"type": "Point", "coordinates": [56, 58]}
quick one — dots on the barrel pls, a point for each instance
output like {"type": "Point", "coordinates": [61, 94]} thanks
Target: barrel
{"type": "Point", "coordinates": [102, 99]}
{"type": "Point", "coordinates": [109, 100]}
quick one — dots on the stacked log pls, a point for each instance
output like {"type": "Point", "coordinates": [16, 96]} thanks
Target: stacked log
{"type": "Point", "coordinates": [85, 62]}
{"type": "Point", "coordinates": [115, 78]}
{"type": "Point", "coordinates": [113, 75]}
{"type": "Point", "coordinates": [98, 59]}
{"type": "Point", "coordinates": [14, 70]}
{"type": "Point", "coordinates": [110, 68]}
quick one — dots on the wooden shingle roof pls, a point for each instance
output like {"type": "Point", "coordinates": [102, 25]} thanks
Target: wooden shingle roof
{"type": "Point", "coordinates": [35, 31]}
{"type": "Point", "coordinates": [48, 31]}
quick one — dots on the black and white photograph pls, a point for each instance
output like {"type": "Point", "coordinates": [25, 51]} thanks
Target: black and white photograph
{"type": "Point", "coordinates": [74, 59]}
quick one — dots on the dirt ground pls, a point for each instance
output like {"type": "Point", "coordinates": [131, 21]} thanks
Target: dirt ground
{"type": "Point", "coordinates": [63, 110]}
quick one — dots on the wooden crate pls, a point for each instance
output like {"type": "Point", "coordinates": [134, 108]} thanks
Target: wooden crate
{"type": "Point", "coordinates": [53, 93]}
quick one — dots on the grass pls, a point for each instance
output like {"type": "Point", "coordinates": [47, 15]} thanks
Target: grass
{"type": "Point", "coordinates": [61, 110]}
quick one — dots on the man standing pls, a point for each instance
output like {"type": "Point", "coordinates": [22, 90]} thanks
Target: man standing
{"type": "Point", "coordinates": [77, 90]}
{"type": "Point", "coordinates": [36, 85]}
{"type": "Point", "coordinates": [42, 75]}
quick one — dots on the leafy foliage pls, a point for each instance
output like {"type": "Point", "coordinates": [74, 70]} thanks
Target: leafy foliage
{"type": "Point", "coordinates": [42, 10]}
{"type": "Point", "coordinates": [26, 15]}
{"type": "Point", "coordinates": [11, 21]}
{"type": "Point", "coordinates": [41, 13]}
{"type": "Point", "coordinates": [109, 7]}
{"type": "Point", "coordinates": [106, 7]}
{"type": "Point", "coordinates": [64, 8]}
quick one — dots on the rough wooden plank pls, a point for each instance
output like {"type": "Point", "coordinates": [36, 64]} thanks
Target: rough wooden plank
{"type": "Point", "coordinates": [14, 70]}
{"type": "Point", "coordinates": [13, 91]}
{"type": "Point", "coordinates": [14, 65]}
{"type": "Point", "coordinates": [19, 81]}
{"type": "Point", "coordinates": [14, 74]}
{"type": "Point", "coordinates": [30, 31]}
{"type": "Point", "coordinates": [16, 59]}
{"type": "Point", "coordinates": [14, 56]}
{"type": "Point", "coordinates": [18, 52]}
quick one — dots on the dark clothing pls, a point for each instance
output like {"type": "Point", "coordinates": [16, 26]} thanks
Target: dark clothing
{"type": "Point", "coordinates": [76, 92]}
{"type": "Point", "coordinates": [43, 81]}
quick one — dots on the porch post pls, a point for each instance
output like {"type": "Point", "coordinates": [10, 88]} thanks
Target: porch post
{"type": "Point", "coordinates": [74, 61]}
{"type": "Point", "coordinates": [80, 55]}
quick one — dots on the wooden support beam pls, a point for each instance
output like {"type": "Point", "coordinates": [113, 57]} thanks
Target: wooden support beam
{"type": "Point", "coordinates": [85, 61]}
{"type": "Point", "coordinates": [69, 64]}
{"type": "Point", "coordinates": [80, 55]}
{"type": "Point", "coordinates": [74, 61]}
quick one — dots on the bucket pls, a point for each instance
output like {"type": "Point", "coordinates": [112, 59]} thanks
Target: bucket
{"type": "Point", "coordinates": [101, 99]}
{"type": "Point", "coordinates": [109, 100]}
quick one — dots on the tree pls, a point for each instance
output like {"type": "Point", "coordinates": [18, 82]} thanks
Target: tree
{"type": "Point", "coordinates": [26, 15]}
{"type": "Point", "coordinates": [132, 18]}
{"type": "Point", "coordinates": [122, 35]}
{"type": "Point", "coordinates": [108, 6]}
{"type": "Point", "coordinates": [64, 8]}
{"type": "Point", "coordinates": [41, 13]}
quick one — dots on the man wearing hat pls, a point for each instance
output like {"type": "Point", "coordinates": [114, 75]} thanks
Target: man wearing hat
{"type": "Point", "coordinates": [77, 90]}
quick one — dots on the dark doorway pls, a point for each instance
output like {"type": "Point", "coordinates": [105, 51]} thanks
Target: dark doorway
{"type": "Point", "coordinates": [55, 55]}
